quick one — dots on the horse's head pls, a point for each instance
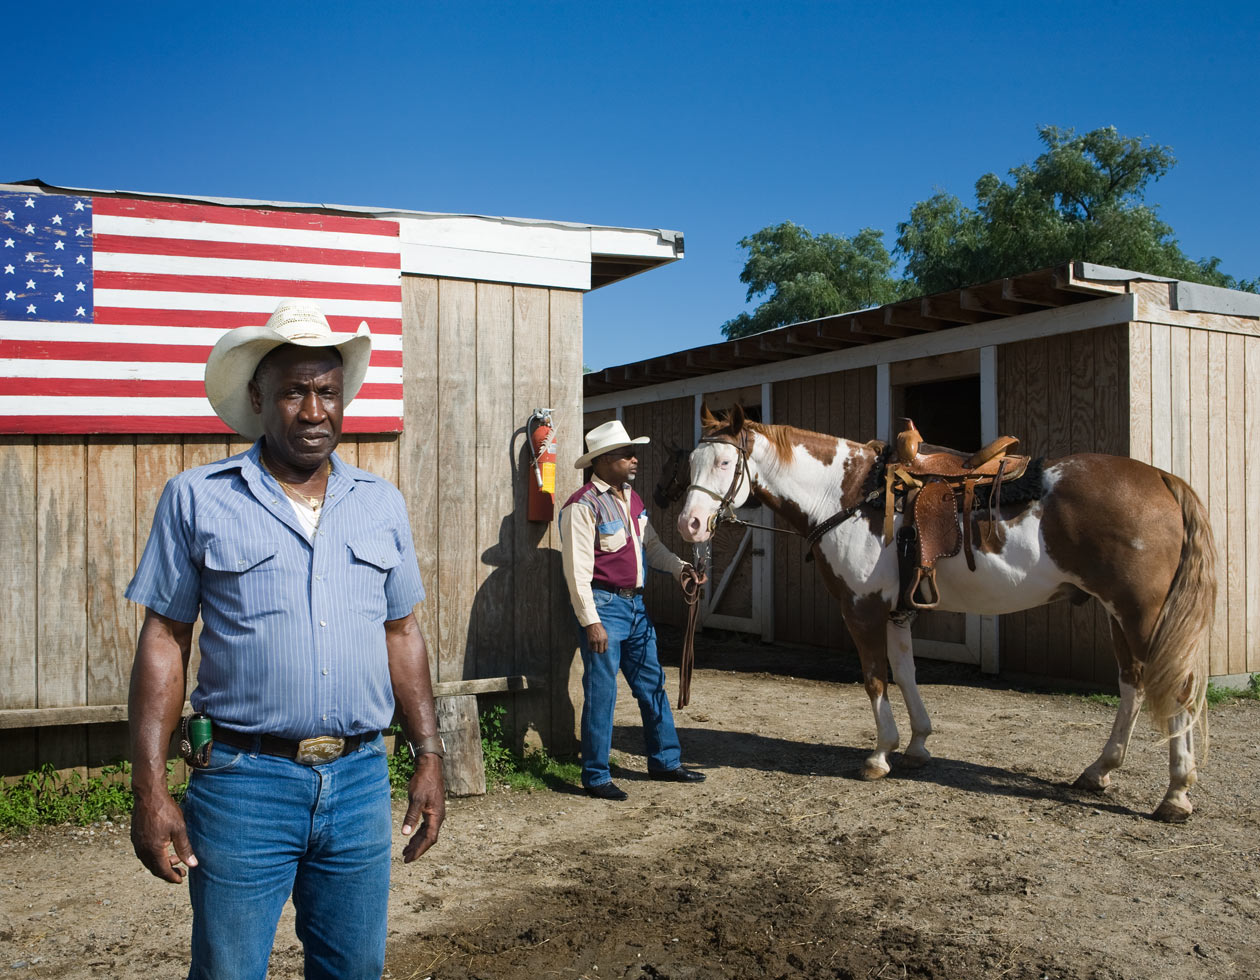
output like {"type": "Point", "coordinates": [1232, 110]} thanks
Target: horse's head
{"type": "Point", "coordinates": [722, 474]}
{"type": "Point", "coordinates": [673, 482]}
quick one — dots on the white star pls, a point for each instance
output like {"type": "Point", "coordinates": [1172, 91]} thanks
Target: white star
{"type": "Point", "coordinates": [30, 202]}
{"type": "Point", "coordinates": [57, 272]}
{"type": "Point", "coordinates": [78, 205]}
{"type": "Point", "coordinates": [8, 216]}
{"type": "Point", "coordinates": [78, 233]}
{"type": "Point", "coordinates": [30, 283]}
{"type": "Point", "coordinates": [56, 219]}
{"type": "Point", "coordinates": [78, 287]}
{"type": "Point", "coordinates": [80, 260]}
{"type": "Point", "coordinates": [59, 246]}
{"type": "Point", "coordinates": [80, 312]}
{"type": "Point", "coordinates": [8, 243]}
{"type": "Point", "coordinates": [30, 229]}
{"type": "Point", "coordinates": [10, 295]}
{"type": "Point", "coordinates": [59, 297]}
{"type": "Point", "coordinates": [30, 256]}
{"type": "Point", "coordinates": [8, 270]}
{"type": "Point", "coordinates": [31, 308]}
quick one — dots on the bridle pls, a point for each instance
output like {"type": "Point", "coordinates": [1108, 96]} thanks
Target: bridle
{"type": "Point", "coordinates": [725, 513]}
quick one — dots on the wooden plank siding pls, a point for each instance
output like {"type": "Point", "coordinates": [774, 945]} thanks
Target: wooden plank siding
{"type": "Point", "coordinates": [477, 359]}
{"type": "Point", "coordinates": [1061, 395]}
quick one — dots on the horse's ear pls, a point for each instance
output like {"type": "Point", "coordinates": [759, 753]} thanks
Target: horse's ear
{"type": "Point", "coordinates": [736, 419]}
{"type": "Point", "coordinates": [707, 420]}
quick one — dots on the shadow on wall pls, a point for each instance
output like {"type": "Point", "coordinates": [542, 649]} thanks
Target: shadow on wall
{"type": "Point", "coordinates": [521, 623]}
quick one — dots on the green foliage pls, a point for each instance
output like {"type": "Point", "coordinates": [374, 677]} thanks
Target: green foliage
{"type": "Point", "coordinates": [1082, 198]}
{"type": "Point", "coordinates": [531, 771]}
{"type": "Point", "coordinates": [805, 276]}
{"type": "Point", "coordinates": [1218, 695]}
{"type": "Point", "coordinates": [1108, 700]}
{"type": "Point", "coordinates": [46, 797]}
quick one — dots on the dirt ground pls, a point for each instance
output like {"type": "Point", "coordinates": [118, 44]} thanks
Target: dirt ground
{"type": "Point", "coordinates": [782, 864]}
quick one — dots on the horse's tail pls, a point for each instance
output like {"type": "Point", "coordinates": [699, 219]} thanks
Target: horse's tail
{"type": "Point", "coordinates": [1175, 674]}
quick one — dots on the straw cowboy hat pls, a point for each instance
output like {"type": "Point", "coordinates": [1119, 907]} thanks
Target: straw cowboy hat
{"type": "Point", "coordinates": [604, 439]}
{"type": "Point", "coordinates": [235, 357]}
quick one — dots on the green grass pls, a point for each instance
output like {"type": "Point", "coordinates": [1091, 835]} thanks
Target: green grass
{"type": "Point", "coordinates": [1218, 695]}
{"type": "Point", "coordinates": [45, 797]}
{"type": "Point", "coordinates": [504, 767]}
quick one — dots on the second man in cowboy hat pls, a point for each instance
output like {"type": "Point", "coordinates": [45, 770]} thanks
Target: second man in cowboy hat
{"type": "Point", "coordinates": [607, 543]}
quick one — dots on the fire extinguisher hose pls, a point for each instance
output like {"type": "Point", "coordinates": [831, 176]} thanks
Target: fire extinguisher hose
{"type": "Point", "coordinates": [687, 661]}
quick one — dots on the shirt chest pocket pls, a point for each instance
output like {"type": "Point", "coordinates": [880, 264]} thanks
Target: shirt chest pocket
{"type": "Point", "coordinates": [372, 558]}
{"type": "Point", "coordinates": [611, 535]}
{"type": "Point", "coordinates": [239, 557]}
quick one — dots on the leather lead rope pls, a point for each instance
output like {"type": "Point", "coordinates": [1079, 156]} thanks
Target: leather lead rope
{"type": "Point", "coordinates": [687, 660]}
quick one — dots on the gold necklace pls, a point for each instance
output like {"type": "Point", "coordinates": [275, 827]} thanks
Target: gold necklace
{"type": "Point", "coordinates": [315, 503]}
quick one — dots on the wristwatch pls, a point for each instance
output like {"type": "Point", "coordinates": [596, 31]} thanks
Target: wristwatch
{"type": "Point", "coordinates": [432, 745]}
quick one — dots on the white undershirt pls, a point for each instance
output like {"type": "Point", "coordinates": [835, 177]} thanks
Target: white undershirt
{"type": "Point", "coordinates": [307, 516]}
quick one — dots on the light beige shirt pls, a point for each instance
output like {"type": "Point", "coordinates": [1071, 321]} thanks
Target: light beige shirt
{"type": "Point", "coordinates": [577, 532]}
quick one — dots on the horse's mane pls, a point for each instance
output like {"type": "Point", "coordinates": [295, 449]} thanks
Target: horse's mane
{"type": "Point", "coordinates": [783, 438]}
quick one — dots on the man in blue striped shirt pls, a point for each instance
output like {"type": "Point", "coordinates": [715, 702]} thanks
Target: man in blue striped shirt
{"type": "Point", "coordinates": [304, 575]}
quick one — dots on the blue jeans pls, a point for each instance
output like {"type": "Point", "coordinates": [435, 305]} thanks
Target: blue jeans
{"type": "Point", "coordinates": [263, 828]}
{"type": "Point", "coordinates": [632, 650]}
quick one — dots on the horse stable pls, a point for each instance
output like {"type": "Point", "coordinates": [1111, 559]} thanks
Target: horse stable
{"type": "Point", "coordinates": [1079, 358]}
{"type": "Point", "coordinates": [479, 323]}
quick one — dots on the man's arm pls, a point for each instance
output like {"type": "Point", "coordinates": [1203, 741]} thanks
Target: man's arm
{"type": "Point", "coordinates": [413, 699]}
{"type": "Point", "coordinates": [153, 707]}
{"type": "Point", "coordinates": [577, 536]}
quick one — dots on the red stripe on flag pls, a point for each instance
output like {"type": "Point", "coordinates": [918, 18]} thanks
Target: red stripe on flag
{"type": "Point", "coordinates": [227, 319]}
{"type": "Point", "coordinates": [161, 425]}
{"type": "Point", "coordinates": [241, 286]}
{"type": "Point", "coordinates": [219, 214]}
{"type": "Point", "coordinates": [138, 245]}
{"type": "Point", "coordinates": [145, 388]}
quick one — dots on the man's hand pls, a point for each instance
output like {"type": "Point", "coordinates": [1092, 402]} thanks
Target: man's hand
{"type": "Point", "coordinates": [597, 638]}
{"type": "Point", "coordinates": [426, 806]}
{"type": "Point", "coordinates": [156, 826]}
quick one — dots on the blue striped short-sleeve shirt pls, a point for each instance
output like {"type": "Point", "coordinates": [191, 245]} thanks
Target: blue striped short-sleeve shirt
{"type": "Point", "coordinates": [293, 638]}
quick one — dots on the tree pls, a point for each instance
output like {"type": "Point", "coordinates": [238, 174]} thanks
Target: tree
{"type": "Point", "coordinates": [806, 276]}
{"type": "Point", "coordinates": [1081, 199]}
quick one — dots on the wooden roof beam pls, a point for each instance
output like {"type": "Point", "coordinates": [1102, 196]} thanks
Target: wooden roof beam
{"type": "Point", "coordinates": [945, 306]}
{"type": "Point", "coordinates": [988, 299]}
{"type": "Point", "coordinates": [1039, 290]}
{"type": "Point", "coordinates": [841, 332]}
{"type": "Point", "coordinates": [794, 340]}
{"type": "Point", "coordinates": [908, 318]}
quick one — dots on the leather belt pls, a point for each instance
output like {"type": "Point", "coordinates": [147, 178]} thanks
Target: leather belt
{"type": "Point", "coordinates": [623, 593]}
{"type": "Point", "coordinates": [308, 751]}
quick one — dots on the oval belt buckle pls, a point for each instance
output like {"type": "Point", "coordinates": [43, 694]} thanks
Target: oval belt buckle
{"type": "Point", "coordinates": [320, 749]}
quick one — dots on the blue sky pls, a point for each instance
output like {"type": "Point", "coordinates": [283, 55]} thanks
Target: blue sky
{"type": "Point", "coordinates": [715, 119]}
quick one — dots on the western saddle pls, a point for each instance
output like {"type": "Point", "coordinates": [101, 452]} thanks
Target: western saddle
{"type": "Point", "coordinates": [930, 482]}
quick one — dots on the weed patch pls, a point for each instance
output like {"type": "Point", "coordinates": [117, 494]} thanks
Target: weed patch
{"type": "Point", "coordinates": [46, 797]}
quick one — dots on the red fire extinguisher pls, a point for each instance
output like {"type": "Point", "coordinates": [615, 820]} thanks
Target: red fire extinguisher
{"type": "Point", "coordinates": [542, 448]}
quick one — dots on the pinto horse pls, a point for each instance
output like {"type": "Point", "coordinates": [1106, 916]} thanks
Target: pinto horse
{"type": "Point", "coordinates": [1131, 535]}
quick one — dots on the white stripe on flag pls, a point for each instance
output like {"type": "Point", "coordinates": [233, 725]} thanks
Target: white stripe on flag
{"type": "Point", "coordinates": [145, 407]}
{"type": "Point", "coordinates": [204, 231]}
{"type": "Point", "coordinates": [153, 299]}
{"type": "Point", "coordinates": [190, 265]}
{"type": "Point", "coordinates": [117, 334]}
{"type": "Point", "coordinates": [11, 367]}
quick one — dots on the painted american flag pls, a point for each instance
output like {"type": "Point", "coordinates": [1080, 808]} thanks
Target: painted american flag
{"type": "Point", "coordinates": [109, 306]}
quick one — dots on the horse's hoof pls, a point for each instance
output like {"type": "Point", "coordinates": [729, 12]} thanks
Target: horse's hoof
{"type": "Point", "coordinates": [1091, 783]}
{"type": "Point", "coordinates": [871, 772]}
{"type": "Point", "coordinates": [916, 761]}
{"type": "Point", "coordinates": [1169, 812]}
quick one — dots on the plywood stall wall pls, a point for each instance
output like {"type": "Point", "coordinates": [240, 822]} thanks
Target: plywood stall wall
{"type": "Point", "coordinates": [1060, 395]}
{"type": "Point", "coordinates": [479, 358]}
{"type": "Point", "coordinates": [840, 404]}
{"type": "Point", "coordinates": [76, 513]}
{"type": "Point", "coordinates": [1195, 411]}
{"type": "Point", "coordinates": [670, 424]}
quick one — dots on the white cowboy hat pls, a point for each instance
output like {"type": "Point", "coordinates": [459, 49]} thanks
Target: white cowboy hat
{"type": "Point", "coordinates": [235, 357]}
{"type": "Point", "coordinates": [604, 439]}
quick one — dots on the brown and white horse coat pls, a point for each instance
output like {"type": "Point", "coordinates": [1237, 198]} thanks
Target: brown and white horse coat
{"type": "Point", "coordinates": [1133, 536]}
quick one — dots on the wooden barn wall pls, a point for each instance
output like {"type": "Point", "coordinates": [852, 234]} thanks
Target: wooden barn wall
{"type": "Point", "coordinates": [1195, 411]}
{"type": "Point", "coordinates": [478, 358]}
{"type": "Point", "coordinates": [670, 424]}
{"type": "Point", "coordinates": [1060, 395]}
{"type": "Point", "coordinates": [841, 404]}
